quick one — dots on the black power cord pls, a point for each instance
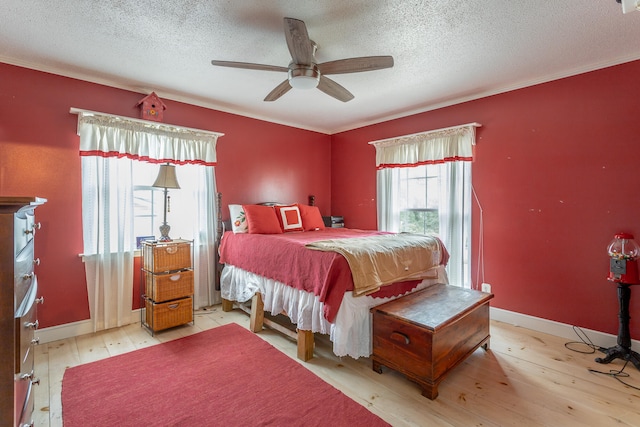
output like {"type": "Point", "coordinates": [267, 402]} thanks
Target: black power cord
{"type": "Point", "coordinates": [592, 348]}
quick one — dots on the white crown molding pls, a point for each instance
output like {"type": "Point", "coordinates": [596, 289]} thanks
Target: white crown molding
{"type": "Point", "coordinates": [218, 107]}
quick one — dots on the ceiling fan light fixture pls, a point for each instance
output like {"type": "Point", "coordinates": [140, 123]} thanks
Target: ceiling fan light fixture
{"type": "Point", "coordinates": [304, 72]}
{"type": "Point", "coordinates": [304, 78]}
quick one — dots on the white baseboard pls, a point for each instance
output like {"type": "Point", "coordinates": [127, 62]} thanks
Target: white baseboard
{"type": "Point", "coordinates": [555, 328]}
{"type": "Point", "coordinates": [70, 330]}
{"type": "Point", "coordinates": [551, 327]}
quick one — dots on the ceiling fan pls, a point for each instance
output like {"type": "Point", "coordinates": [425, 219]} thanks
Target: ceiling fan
{"type": "Point", "coordinates": [303, 70]}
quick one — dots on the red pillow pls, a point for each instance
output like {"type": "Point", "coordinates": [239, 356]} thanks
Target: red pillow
{"type": "Point", "coordinates": [311, 218]}
{"type": "Point", "coordinates": [262, 219]}
{"type": "Point", "coordinates": [289, 218]}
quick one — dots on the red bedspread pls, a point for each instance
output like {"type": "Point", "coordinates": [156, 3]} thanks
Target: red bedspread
{"type": "Point", "coordinates": [284, 258]}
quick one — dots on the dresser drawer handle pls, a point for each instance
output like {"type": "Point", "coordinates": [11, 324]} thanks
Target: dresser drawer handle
{"type": "Point", "coordinates": [36, 226]}
{"type": "Point", "coordinates": [27, 276]}
{"type": "Point", "coordinates": [401, 338]}
{"type": "Point", "coordinates": [36, 261]}
{"type": "Point", "coordinates": [30, 377]}
{"type": "Point", "coordinates": [175, 277]}
{"type": "Point", "coordinates": [173, 306]}
{"type": "Point", "coordinates": [32, 325]}
{"type": "Point", "coordinates": [172, 249]}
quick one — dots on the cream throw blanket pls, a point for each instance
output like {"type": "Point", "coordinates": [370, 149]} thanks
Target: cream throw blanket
{"type": "Point", "coordinates": [380, 260]}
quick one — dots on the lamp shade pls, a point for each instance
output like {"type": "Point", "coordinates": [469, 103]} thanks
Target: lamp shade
{"type": "Point", "coordinates": [166, 177]}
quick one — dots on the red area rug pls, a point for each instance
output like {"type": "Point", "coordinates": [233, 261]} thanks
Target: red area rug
{"type": "Point", "coordinates": [225, 376]}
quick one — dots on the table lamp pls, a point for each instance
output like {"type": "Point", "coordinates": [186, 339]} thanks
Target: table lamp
{"type": "Point", "coordinates": [166, 179]}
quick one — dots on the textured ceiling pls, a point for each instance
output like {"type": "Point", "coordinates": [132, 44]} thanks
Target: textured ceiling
{"type": "Point", "coordinates": [445, 51]}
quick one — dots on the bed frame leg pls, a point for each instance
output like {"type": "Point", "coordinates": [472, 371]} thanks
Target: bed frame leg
{"type": "Point", "coordinates": [257, 313]}
{"type": "Point", "coordinates": [227, 305]}
{"type": "Point", "coordinates": [305, 345]}
{"type": "Point", "coordinates": [304, 339]}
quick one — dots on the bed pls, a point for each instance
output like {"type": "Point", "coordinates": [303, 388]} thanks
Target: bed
{"type": "Point", "coordinates": [302, 270]}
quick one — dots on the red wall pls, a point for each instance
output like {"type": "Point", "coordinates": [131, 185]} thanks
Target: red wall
{"type": "Point", "coordinates": [257, 161]}
{"type": "Point", "coordinates": [556, 174]}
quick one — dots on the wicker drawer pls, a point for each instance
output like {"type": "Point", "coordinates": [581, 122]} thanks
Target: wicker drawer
{"type": "Point", "coordinates": [167, 286]}
{"type": "Point", "coordinates": [168, 314]}
{"type": "Point", "coordinates": [169, 256]}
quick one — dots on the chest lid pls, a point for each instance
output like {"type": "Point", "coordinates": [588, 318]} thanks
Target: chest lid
{"type": "Point", "coordinates": [435, 306]}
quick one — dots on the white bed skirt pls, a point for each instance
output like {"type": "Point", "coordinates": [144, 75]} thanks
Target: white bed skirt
{"type": "Point", "coordinates": [350, 334]}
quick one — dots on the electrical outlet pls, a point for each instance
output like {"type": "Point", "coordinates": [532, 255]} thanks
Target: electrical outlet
{"type": "Point", "coordinates": [486, 287]}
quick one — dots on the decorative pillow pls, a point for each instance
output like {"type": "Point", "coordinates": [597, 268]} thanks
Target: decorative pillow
{"type": "Point", "coordinates": [311, 218]}
{"type": "Point", "coordinates": [289, 218]}
{"type": "Point", "coordinates": [238, 219]}
{"type": "Point", "coordinates": [262, 219]}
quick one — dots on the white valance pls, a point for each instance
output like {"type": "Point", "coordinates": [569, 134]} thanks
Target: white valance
{"type": "Point", "coordinates": [437, 146]}
{"type": "Point", "coordinates": [116, 136]}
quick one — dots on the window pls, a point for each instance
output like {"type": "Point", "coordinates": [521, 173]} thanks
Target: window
{"type": "Point", "coordinates": [424, 186]}
{"type": "Point", "coordinates": [431, 199]}
{"type": "Point", "coordinates": [118, 204]}
{"type": "Point", "coordinates": [419, 199]}
{"type": "Point", "coordinates": [148, 201]}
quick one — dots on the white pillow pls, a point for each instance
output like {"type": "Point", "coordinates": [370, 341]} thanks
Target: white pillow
{"type": "Point", "coordinates": [238, 219]}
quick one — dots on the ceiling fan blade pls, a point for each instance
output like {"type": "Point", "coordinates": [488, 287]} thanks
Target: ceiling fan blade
{"type": "Point", "coordinates": [249, 66]}
{"type": "Point", "coordinates": [355, 65]}
{"type": "Point", "coordinates": [298, 42]}
{"type": "Point", "coordinates": [278, 91]}
{"type": "Point", "coordinates": [333, 89]}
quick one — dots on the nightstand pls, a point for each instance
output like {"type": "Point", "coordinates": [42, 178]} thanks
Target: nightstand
{"type": "Point", "coordinates": [168, 291]}
{"type": "Point", "coordinates": [333, 221]}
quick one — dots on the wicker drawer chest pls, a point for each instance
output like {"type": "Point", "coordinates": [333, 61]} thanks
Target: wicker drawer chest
{"type": "Point", "coordinates": [426, 334]}
{"type": "Point", "coordinates": [168, 284]}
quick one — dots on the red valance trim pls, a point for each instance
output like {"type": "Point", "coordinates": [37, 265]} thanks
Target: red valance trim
{"type": "Point", "coordinates": [98, 153]}
{"type": "Point", "coordinates": [426, 162]}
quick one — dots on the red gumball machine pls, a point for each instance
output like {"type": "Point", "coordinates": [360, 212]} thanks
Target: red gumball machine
{"type": "Point", "coordinates": [623, 270]}
{"type": "Point", "coordinates": [623, 251]}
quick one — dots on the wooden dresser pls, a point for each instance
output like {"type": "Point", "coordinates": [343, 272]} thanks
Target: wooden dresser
{"type": "Point", "coordinates": [426, 334]}
{"type": "Point", "coordinates": [18, 301]}
{"type": "Point", "coordinates": [168, 278]}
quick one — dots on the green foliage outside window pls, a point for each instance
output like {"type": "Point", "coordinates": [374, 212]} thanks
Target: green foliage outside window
{"type": "Point", "coordinates": [421, 221]}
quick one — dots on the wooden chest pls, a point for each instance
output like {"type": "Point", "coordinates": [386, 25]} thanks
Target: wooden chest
{"type": "Point", "coordinates": [426, 334]}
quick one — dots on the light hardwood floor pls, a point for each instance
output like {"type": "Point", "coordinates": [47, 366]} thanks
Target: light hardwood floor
{"type": "Point", "coordinates": [526, 379]}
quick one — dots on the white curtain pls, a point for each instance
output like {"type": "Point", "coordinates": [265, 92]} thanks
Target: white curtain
{"type": "Point", "coordinates": [452, 150]}
{"type": "Point", "coordinates": [107, 219]}
{"type": "Point", "coordinates": [438, 146]}
{"type": "Point", "coordinates": [106, 135]}
{"type": "Point", "coordinates": [107, 146]}
{"type": "Point", "coordinates": [455, 219]}
{"type": "Point", "coordinates": [202, 213]}
{"type": "Point", "coordinates": [387, 200]}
